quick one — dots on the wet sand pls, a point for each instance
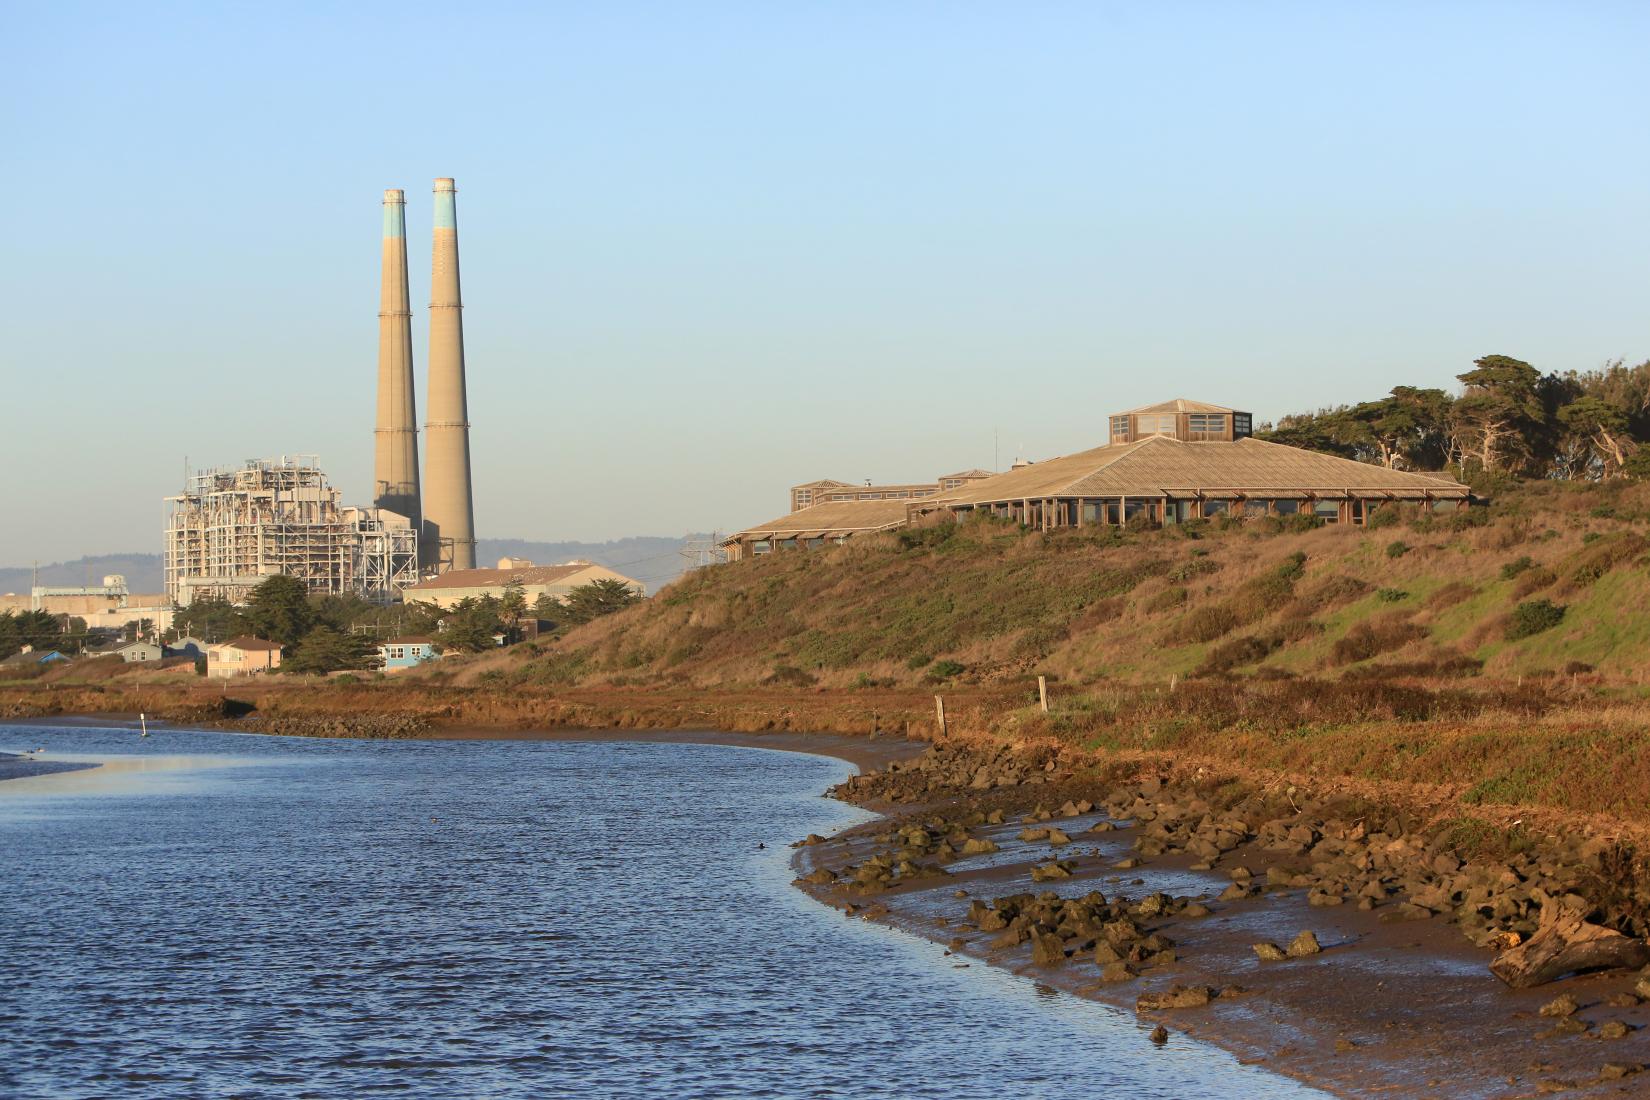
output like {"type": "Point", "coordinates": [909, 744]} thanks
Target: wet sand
{"type": "Point", "coordinates": [1407, 1009]}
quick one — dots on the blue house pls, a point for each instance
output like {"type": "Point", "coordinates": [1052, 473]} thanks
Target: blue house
{"type": "Point", "coordinates": [401, 653]}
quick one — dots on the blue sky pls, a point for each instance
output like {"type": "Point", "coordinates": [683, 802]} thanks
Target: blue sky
{"type": "Point", "coordinates": [714, 249]}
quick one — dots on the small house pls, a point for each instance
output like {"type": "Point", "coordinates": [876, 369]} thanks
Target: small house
{"type": "Point", "coordinates": [398, 654]}
{"type": "Point", "coordinates": [243, 656]}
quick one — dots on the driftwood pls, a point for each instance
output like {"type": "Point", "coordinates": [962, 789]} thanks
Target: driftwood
{"type": "Point", "coordinates": [1564, 944]}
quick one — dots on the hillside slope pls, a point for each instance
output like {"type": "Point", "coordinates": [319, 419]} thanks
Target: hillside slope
{"type": "Point", "coordinates": [986, 602]}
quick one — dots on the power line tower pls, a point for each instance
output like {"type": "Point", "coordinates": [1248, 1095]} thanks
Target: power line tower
{"type": "Point", "coordinates": [699, 551]}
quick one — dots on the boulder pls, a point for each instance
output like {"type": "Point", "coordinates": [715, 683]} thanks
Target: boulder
{"type": "Point", "coordinates": [1269, 952]}
{"type": "Point", "coordinates": [1303, 945]}
{"type": "Point", "coordinates": [1179, 996]}
{"type": "Point", "coordinates": [1047, 949]}
{"type": "Point", "coordinates": [1560, 1007]}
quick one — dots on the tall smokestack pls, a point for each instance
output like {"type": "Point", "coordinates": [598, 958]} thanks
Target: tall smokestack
{"type": "Point", "coordinates": [395, 465]}
{"type": "Point", "coordinates": [449, 514]}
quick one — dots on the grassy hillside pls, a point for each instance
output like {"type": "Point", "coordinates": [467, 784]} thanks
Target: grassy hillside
{"type": "Point", "coordinates": [986, 603]}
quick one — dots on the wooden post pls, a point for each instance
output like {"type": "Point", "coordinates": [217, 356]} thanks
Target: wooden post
{"type": "Point", "coordinates": [939, 713]}
{"type": "Point", "coordinates": [1042, 692]}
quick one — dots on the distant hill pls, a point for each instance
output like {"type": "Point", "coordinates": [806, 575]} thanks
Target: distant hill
{"type": "Point", "coordinates": [653, 561]}
{"type": "Point", "coordinates": [142, 573]}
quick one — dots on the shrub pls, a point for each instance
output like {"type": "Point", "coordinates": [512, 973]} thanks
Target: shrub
{"type": "Point", "coordinates": [1514, 568]}
{"type": "Point", "coordinates": [1199, 566]}
{"type": "Point", "coordinates": [1167, 600]}
{"type": "Point", "coordinates": [913, 538]}
{"type": "Point", "coordinates": [1367, 639]}
{"type": "Point", "coordinates": [945, 670]}
{"type": "Point", "coordinates": [1532, 581]}
{"type": "Point", "coordinates": [1603, 555]}
{"type": "Point", "coordinates": [1140, 521]}
{"type": "Point", "coordinates": [1391, 595]}
{"type": "Point", "coordinates": [1331, 592]}
{"type": "Point", "coordinates": [1450, 595]}
{"type": "Point", "coordinates": [789, 676]}
{"type": "Point", "coordinates": [1204, 624]}
{"type": "Point", "coordinates": [1533, 617]}
{"type": "Point", "coordinates": [1397, 549]}
{"type": "Point", "coordinates": [921, 660]}
{"type": "Point", "coordinates": [1382, 517]}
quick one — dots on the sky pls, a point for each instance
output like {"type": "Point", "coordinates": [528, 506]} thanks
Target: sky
{"type": "Point", "coordinates": [710, 250]}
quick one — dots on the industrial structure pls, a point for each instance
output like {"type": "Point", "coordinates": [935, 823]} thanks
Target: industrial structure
{"type": "Point", "coordinates": [109, 605]}
{"type": "Point", "coordinates": [1164, 464]}
{"type": "Point", "coordinates": [449, 512]}
{"type": "Point", "coordinates": [234, 527]}
{"type": "Point", "coordinates": [395, 451]}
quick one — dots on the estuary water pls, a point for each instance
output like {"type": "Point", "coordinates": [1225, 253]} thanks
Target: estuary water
{"type": "Point", "coordinates": [211, 914]}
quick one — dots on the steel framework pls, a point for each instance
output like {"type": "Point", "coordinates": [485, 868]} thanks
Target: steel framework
{"type": "Point", "coordinates": [232, 527]}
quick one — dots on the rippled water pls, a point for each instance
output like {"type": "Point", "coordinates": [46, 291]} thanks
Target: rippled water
{"type": "Point", "coordinates": [218, 915]}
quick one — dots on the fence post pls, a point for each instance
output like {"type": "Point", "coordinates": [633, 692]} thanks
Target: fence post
{"type": "Point", "coordinates": [1042, 692]}
{"type": "Point", "coordinates": [939, 713]}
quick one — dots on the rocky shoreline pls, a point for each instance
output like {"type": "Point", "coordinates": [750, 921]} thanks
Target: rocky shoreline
{"type": "Point", "coordinates": [1170, 897]}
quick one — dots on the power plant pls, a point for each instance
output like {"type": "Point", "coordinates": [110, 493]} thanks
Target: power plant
{"type": "Point", "coordinates": [449, 515]}
{"type": "Point", "coordinates": [232, 527]}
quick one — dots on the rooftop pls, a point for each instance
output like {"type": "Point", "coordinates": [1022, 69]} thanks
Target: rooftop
{"type": "Point", "coordinates": [1159, 465]}
{"type": "Point", "coordinates": [837, 517]}
{"type": "Point", "coordinates": [1178, 405]}
{"type": "Point", "coordinates": [250, 644]}
{"type": "Point", "coordinates": [498, 578]}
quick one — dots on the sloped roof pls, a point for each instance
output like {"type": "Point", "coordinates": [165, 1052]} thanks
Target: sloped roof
{"type": "Point", "coordinates": [1159, 464]}
{"type": "Point", "coordinates": [836, 517]}
{"type": "Point", "coordinates": [411, 639]}
{"type": "Point", "coordinates": [827, 483]}
{"type": "Point", "coordinates": [1178, 405]}
{"type": "Point", "coordinates": [249, 644]}
{"type": "Point", "coordinates": [498, 578]}
{"type": "Point", "coordinates": [974, 473]}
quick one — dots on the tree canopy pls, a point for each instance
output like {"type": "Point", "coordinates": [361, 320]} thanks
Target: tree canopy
{"type": "Point", "coordinates": [1509, 419]}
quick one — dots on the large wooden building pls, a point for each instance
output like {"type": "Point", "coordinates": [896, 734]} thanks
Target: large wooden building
{"type": "Point", "coordinates": [1169, 463]}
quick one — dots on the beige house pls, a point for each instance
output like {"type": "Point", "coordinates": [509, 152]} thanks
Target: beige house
{"type": "Point", "coordinates": [242, 656]}
{"type": "Point", "coordinates": [818, 525]}
{"type": "Point", "coordinates": [457, 585]}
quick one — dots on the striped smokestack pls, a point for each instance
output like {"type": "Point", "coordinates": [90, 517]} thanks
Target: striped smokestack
{"type": "Point", "coordinates": [449, 514]}
{"type": "Point", "coordinates": [395, 458]}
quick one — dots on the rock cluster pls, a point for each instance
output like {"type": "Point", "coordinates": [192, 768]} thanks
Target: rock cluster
{"type": "Point", "coordinates": [375, 726]}
{"type": "Point", "coordinates": [1115, 933]}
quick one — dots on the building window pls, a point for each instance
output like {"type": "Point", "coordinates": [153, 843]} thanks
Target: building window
{"type": "Point", "coordinates": [1119, 426]}
{"type": "Point", "coordinates": [1157, 424]}
{"type": "Point", "coordinates": [1212, 423]}
{"type": "Point", "coordinates": [1445, 506]}
{"type": "Point", "coordinates": [804, 497]}
{"type": "Point", "coordinates": [1285, 507]}
{"type": "Point", "coordinates": [1241, 425]}
{"type": "Point", "coordinates": [1327, 510]}
{"type": "Point", "coordinates": [1214, 508]}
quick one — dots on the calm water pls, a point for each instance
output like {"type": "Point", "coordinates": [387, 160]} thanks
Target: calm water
{"type": "Point", "coordinates": [224, 915]}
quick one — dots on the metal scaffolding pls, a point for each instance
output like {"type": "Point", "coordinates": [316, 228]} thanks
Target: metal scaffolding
{"type": "Point", "coordinates": [233, 527]}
